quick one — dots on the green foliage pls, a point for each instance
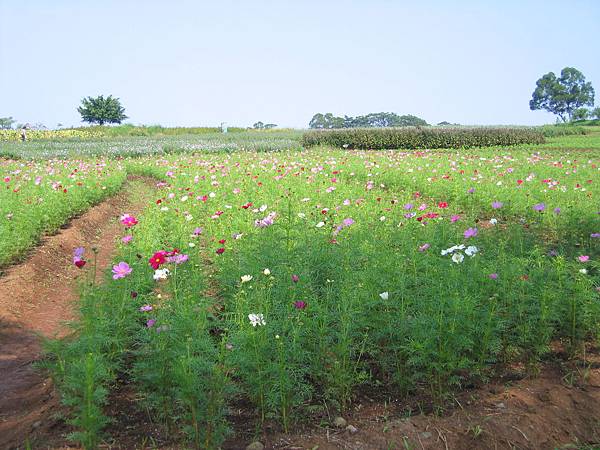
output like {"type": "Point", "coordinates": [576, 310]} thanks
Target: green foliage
{"type": "Point", "coordinates": [563, 95]}
{"type": "Point", "coordinates": [595, 113]}
{"type": "Point", "coordinates": [6, 123]}
{"type": "Point", "coordinates": [102, 110]}
{"type": "Point", "coordinates": [562, 130]}
{"type": "Point", "coordinates": [580, 114]}
{"type": "Point", "coordinates": [422, 138]}
{"type": "Point", "coordinates": [328, 121]}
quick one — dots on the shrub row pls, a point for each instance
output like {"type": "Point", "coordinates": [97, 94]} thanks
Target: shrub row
{"type": "Point", "coordinates": [422, 138]}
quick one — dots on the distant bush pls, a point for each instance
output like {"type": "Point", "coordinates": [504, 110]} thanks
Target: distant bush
{"type": "Point", "coordinates": [561, 130]}
{"type": "Point", "coordinates": [422, 138]}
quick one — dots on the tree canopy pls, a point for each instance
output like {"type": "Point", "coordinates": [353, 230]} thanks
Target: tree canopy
{"type": "Point", "coordinates": [101, 110]}
{"type": "Point", "coordinates": [562, 95]}
{"type": "Point", "coordinates": [6, 123]}
{"type": "Point", "coordinates": [373, 120]}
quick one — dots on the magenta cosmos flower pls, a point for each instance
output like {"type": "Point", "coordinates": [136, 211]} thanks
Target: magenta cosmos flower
{"type": "Point", "coordinates": [583, 258]}
{"type": "Point", "coordinates": [128, 220]}
{"type": "Point", "coordinates": [121, 270]}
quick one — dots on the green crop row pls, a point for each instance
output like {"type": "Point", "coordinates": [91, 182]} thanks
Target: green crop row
{"type": "Point", "coordinates": [422, 138]}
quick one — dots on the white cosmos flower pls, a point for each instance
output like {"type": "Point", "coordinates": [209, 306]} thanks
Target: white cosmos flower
{"type": "Point", "coordinates": [212, 195]}
{"type": "Point", "coordinates": [267, 272]}
{"type": "Point", "coordinates": [263, 208]}
{"type": "Point", "coordinates": [384, 295]}
{"type": "Point", "coordinates": [382, 218]}
{"type": "Point", "coordinates": [246, 278]}
{"type": "Point", "coordinates": [458, 258]}
{"type": "Point", "coordinates": [493, 221]}
{"type": "Point", "coordinates": [301, 215]}
{"type": "Point", "coordinates": [161, 274]}
{"type": "Point", "coordinates": [471, 250]}
{"type": "Point", "coordinates": [320, 224]}
{"type": "Point", "coordinates": [184, 198]}
{"type": "Point", "coordinates": [583, 271]}
{"type": "Point", "coordinates": [256, 319]}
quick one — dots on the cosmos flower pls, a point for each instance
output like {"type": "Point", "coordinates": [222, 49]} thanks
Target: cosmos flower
{"type": "Point", "coordinates": [458, 258]}
{"type": "Point", "coordinates": [246, 278]}
{"type": "Point", "coordinates": [583, 258]}
{"type": "Point", "coordinates": [384, 295]}
{"type": "Point", "coordinates": [161, 274]}
{"type": "Point", "coordinates": [497, 205]}
{"type": "Point", "coordinates": [256, 320]}
{"type": "Point", "coordinates": [539, 207]}
{"type": "Point", "coordinates": [470, 232]}
{"type": "Point", "coordinates": [158, 259]}
{"type": "Point", "coordinates": [128, 220]}
{"type": "Point", "coordinates": [121, 270]}
{"type": "Point", "coordinates": [300, 304]}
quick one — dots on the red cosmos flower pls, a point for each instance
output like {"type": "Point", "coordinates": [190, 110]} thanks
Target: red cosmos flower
{"type": "Point", "coordinates": [80, 263]}
{"type": "Point", "coordinates": [158, 259]}
{"type": "Point", "coordinates": [222, 241]}
{"type": "Point", "coordinates": [204, 198]}
{"type": "Point", "coordinates": [247, 205]}
{"type": "Point", "coordinates": [519, 182]}
{"type": "Point", "coordinates": [442, 204]}
{"type": "Point", "coordinates": [220, 251]}
{"type": "Point", "coordinates": [159, 201]}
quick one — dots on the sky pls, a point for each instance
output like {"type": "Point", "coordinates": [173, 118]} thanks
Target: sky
{"type": "Point", "coordinates": [200, 63]}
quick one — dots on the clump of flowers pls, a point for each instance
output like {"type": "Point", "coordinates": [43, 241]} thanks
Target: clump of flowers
{"type": "Point", "coordinates": [78, 257]}
{"type": "Point", "coordinates": [256, 320]}
{"type": "Point", "coordinates": [128, 220]}
{"type": "Point", "coordinates": [266, 221]}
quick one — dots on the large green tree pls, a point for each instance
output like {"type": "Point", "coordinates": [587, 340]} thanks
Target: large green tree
{"type": "Point", "coordinates": [6, 123]}
{"type": "Point", "coordinates": [562, 95]}
{"type": "Point", "coordinates": [101, 110]}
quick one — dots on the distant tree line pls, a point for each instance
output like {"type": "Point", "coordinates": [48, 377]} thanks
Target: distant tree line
{"type": "Point", "coordinates": [373, 120]}
{"type": "Point", "coordinates": [263, 126]}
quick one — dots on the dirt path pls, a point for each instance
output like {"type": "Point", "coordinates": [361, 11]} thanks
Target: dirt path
{"type": "Point", "coordinates": [37, 298]}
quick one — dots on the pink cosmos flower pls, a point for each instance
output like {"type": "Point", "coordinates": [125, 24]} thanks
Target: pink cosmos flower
{"type": "Point", "coordinates": [126, 239]}
{"type": "Point", "coordinates": [121, 270]}
{"type": "Point", "coordinates": [470, 232]}
{"type": "Point", "coordinates": [423, 247]}
{"type": "Point", "coordinates": [493, 276]}
{"type": "Point", "coordinates": [454, 218]}
{"type": "Point", "coordinates": [583, 258]}
{"type": "Point", "coordinates": [497, 205]}
{"type": "Point", "coordinates": [146, 308]}
{"type": "Point", "coordinates": [295, 278]}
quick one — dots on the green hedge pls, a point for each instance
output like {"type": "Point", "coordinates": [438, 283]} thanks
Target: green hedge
{"type": "Point", "coordinates": [422, 138]}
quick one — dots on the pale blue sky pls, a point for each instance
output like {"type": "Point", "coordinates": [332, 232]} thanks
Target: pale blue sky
{"type": "Point", "coordinates": [200, 63]}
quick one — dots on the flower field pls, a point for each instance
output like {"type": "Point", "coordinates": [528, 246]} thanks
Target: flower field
{"type": "Point", "coordinates": [38, 197]}
{"type": "Point", "coordinates": [291, 282]}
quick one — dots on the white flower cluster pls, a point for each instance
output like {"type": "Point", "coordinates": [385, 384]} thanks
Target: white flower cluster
{"type": "Point", "coordinates": [456, 253]}
{"type": "Point", "coordinates": [257, 319]}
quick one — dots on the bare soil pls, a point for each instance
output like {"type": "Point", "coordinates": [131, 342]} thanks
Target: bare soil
{"type": "Point", "coordinates": [37, 298]}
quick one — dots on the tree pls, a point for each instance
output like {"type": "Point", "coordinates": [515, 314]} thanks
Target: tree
{"type": "Point", "coordinates": [102, 110]}
{"type": "Point", "coordinates": [562, 95]}
{"type": "Point", "coordinates": [269, 126]}
{"type": "Point", "coordinates": [326, 121]}
{"type": "Point", "coordinates": [595, 113]}
{"type": "Point", "coordinates": [258, 125]}
{"type": "Point", "coordinates": [6, 123]}
{"type": "Point", "coordinates": [580, 114]}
